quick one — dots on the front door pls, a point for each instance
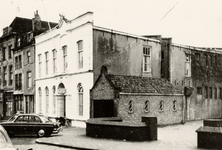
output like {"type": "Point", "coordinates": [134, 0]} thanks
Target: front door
{"type": "Point", "coordinates": [103, 108]}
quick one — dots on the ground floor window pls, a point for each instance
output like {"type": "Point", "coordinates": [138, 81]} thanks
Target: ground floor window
{"type": "Point", "coordinates": [19, 108]}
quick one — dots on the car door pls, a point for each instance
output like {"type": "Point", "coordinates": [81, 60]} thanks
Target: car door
{"type": "Point", "coordinates": [19, 125]}
{"type": "Point", "coordinates": [34, 123]}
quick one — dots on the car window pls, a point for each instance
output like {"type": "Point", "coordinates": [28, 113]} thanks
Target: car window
{"type": "Point", "coordinates": [37, 119]}
{"type": "Point", "coordinates": [25, 118]}
{"type": "Point", "coordinates": [19, 119]}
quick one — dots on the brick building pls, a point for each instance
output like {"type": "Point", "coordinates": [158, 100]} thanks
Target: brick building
{"type": "Point", "coordinates": [131, 97]}
{"type": "Point", "coordinates": [18, 64]}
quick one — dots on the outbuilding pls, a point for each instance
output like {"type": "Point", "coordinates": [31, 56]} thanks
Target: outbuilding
{"type": "Point", "coordinates": [133, 97]}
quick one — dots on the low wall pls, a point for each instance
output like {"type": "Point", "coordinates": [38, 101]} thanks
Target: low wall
{"type": "Point", "coordinates": [212, 122]}
{"type": "Point", "coordinates": [115, 128]}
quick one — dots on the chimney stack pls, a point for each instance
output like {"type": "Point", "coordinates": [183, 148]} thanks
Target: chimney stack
{"type": "Point", "coordinates": [36, 21]}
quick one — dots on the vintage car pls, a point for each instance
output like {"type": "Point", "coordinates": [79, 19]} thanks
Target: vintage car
{"type": "Point", "coordinates": [5, 141]}
{"type": "Point", "coordinates": [30, 124]}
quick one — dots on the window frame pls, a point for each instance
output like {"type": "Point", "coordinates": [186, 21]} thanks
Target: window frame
{"type": "Point", "coordinates": [147, 58]}
{"type": "Point", "coordinates": [80, 53]}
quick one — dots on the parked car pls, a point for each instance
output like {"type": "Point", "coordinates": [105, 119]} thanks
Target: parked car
{"type": "Point", "coordinates": [5, 141]}
{"type": "Point", "coordinates": [30, 124]}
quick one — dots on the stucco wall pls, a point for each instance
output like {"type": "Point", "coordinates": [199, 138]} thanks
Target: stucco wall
{"type": "Point", "coordinates": [123, 54]}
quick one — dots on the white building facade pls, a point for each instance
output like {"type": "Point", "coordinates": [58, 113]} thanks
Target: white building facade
{"type": "Point", "coordinates": [64, 67]}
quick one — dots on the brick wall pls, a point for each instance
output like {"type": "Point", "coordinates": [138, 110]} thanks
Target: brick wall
{"type": "Point", "coordinates": [165, 117]}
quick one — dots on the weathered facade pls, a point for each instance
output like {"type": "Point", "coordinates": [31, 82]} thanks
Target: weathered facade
{"type": "Point", "coordinates": [197, 71]}
{"type": "Point", "coordinates": [131, 97]}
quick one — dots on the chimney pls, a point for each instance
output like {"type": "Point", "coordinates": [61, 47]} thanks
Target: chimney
{"type": "Point", "coordinates": [36, 21]}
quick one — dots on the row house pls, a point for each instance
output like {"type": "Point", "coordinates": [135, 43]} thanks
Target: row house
{"type": "Point", "coordinates": [69, 59]}
{"type": "Point", "coordinates": [18, 65]}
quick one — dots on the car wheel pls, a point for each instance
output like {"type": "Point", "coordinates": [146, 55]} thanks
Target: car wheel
{"type": "Point", "coordinates": [41, 133]}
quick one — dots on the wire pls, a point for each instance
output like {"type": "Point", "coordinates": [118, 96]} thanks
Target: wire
{"type": "Point", "coordinates": [168, 12]}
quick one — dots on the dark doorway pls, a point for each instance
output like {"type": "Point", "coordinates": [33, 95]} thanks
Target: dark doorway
{"type": "Point", "coordinates": [103, 108]}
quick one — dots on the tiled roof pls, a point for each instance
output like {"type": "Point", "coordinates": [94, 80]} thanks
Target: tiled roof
{"type": "Point", "coordinates": [137, 84]}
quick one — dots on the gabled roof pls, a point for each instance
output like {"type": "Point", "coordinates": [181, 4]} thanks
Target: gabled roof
{"type": "Point", "coordinates": [137, 84]}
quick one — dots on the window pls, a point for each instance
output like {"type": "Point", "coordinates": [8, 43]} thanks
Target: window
{"type": "Point", "coordinates": [16, 62]}
{"type": "Point", "coordinates": [65, 64]}
{"type": "Point", "coordinates": [220, 93]}
{"type": "Point", "coordinates": [80, 91]}
{"type": "Point", "coordinates": [46, 62]}
{"type": "Point", "coordinates": [54, 101]}
{"type": "Point", "coordinates": [40, 64]}
{"type": "Point", "coordinates": [210, 92]}
{"type": "Point", "coordinates": [29, 79]}
{"type": "Point", "coordinates": [210, 61]}
{"type": "Point", "coordinates": [161, 107]}
{"type": "Point", "coordinates": [4, 76]}
{"type": "Point", "coordinates": [197, 57]}
{"type": "Point", "coordinates": [174, 105]}
{"type": "Point", "coordinates": [18, 42]}
{"type": "Point", "coordinates": [47, 99]}
{"type": "Point", "coordinates": [215, 93]}
{"type": "Point", "coordinates": [130, 109]}
{"type": "Point", "coordinates": [206, 60]}
{"type": "Point", "coordinates": [188, 65]}
{"type": "Point", "coordinates": [146, 59]}
{"type": "Point", "coordinates": [206, 92]}
{"type": "Point", "coordinates": [147, 106]}
{"type": "Point", "coordinates": [10, 51]}
{"type": "Point", "coordinates": [199, 91]}
{"type": "Point", "coordinates": [3, 53]}
{"type": "Point", "coordinates": [10, 75]}
{"type": "Point", "coordinates": [40, 100]}
{"type": "Point", "coordinates": [0, 76]}
{"type": "Point", "coordinates": [20, 61]}
{"type": "Point", "coordinates": [80, 53]}
{"type": "Point", "coordinates": [29, 57]}
{"type": "Point", "coordinates": [54, 52]}
{"type": "Point", "coordinates": [20, 81]}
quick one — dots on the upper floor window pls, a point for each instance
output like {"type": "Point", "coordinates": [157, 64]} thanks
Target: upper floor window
{"type": "Point", "coordinates": [10, 51]}
{"type": "Point", "coordinates": [20, 61]}
{"type": "Point", "coordinates": [215, 93]}
{"type": "Point", "coordinates": [206, 92]}
{"type": "Point", "coordinates": [80, 53]}
{"type": "Point", "coordinates": [29, 57]}
{"type": "Point", "coordinates": [10, 74]}
{"type": "Point", "coordinates": [4, 76]}
{"type": "Point", "coordinates": [206, 60]}
{"type": "Point", "coordinates": [18, 42]}
{"type": "Point", "coordinates": [197, 57]}
{"type": "Point", "coordinates": [29, 79]}
{"type": "Point", "coordinates": [199, 90]}
{"type": "Point", "coordinates": [220, 93]}
{"type": "Point", "coordinates": [65, 63]}
{"type": "Point", "coordinates": [146, 59]}
{"type": "Point", "coordinates": [54, 53]}
{"type": "Point", "coordinates": [40, 64]}
{"type": "Point", "coordinates": [210, 92]}
{"type": "Point", "coordinates": [188, 65]}
{"type": "Point", "coordinates": [4, 53]}
{"type": "Point", "coordinates": [46, 62]}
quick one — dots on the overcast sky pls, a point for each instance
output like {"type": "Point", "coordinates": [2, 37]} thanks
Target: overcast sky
{"type": "Point", "coordinates": [189, 22]}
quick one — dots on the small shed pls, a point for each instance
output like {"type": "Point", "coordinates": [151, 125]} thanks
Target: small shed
{"type": "Point", "coordinates": [133, 97]}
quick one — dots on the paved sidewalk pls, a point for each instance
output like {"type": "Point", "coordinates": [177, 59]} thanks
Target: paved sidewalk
{"type": "Point", "coordinates": [174, 137]}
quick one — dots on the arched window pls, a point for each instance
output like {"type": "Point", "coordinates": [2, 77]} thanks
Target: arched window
{"type": "Point", "coordinates": [147, 106]}
{"type": "Point", "coordinates": [174, 105]}
{"type": "Point", "coordinates": [40, 100]}
{"type": "Point", "coordinates": [53, 99]}
{"type": "Point", "coordinates": [80, 91]}
{"type": "Point", "coordinates": [47, 99]}
{"type": "Point", "coordinates": [80, 53]}
{"type": "Point", "coordinates": [161, 108]}
{"type": "Point", "coordinates": [130, 109]}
